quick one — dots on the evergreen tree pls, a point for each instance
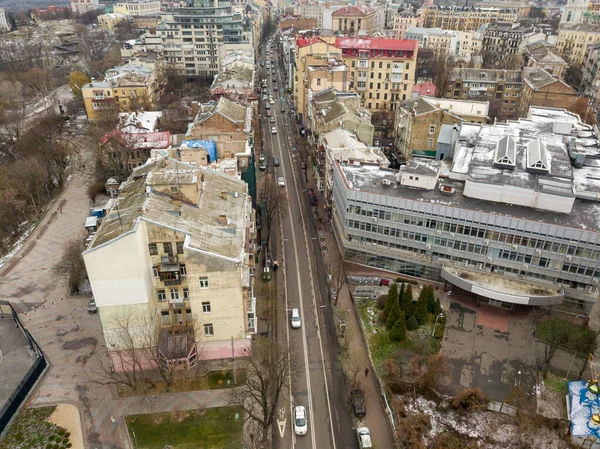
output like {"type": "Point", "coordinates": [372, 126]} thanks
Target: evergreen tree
{"type": "Point", "coordinates": [407, 301]}
{"type": "Point", "coordinates": [430, 300]}
{"type": "Point", "coordinates": [398, 331]}
{"type": "Point", "coordinates": [420, 312]}
{"type": "Point", "coordinates": [392, 297]}
{"type": "Point", "coordinates": [437, 309]}
{"type": "Point", "coordinates": [412, 323]}
{"type": "Point", "coordinates": [393, 316]}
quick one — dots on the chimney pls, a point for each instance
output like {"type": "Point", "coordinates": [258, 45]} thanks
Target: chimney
{"type": "Point", "coordinates": [222, 219]}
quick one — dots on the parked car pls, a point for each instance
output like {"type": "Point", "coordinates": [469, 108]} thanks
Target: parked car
{"type": "Point", "coordinates": [300, 423]}
{"type": "Point", "coordinates": [280, 182]}
{"type": "Point", "coordinates": [295, 319]}
{"type": "Point", "coordinates": [364, 438]}
{"type": "Point", "coordinates": [262, 166]}
{"type": "Point", "coordinates": [268, 261]}
{"type": "Point", "coordinates": [272, 119]}
{"type": "Point", "coordinates": [357, 399]}
{"type": "Point", "coordinates": [261, 157]}
{"type": "Point", "coordinates": [283, 110]}
{"type": "Point", "coordinates": [275, 161]}
{"type": "Point", "coordinates": [92, 308]}
{"type": "Point", "coordinates": [273, 130]}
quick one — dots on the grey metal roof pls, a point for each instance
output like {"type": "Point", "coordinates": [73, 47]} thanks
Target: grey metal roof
{"type": "Point", "coordinates": [506, 151]}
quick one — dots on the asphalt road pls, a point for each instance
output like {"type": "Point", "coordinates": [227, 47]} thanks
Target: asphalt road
{"type": "Point", "coordinates": [317, 380]}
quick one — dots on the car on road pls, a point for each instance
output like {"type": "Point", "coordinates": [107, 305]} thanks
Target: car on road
{"type": "Point", "coordinates": [295, 319]}
{"type": "Point", "coordinates": [267, 106]}
{"type": "Point", "coordinates": [275, 161]}
{"type": "Point", "coordinates": [264, 97]}
{"type": "Point", "coordinates": [275, 88]}
{"type": "Point", "coordinates": [261, 157]}
{"type": "Point", "coordinates": [357, 399]}
{"type": "Point", "coordinates": [271, 101]}
{"type": "Point", "coordinates": [262, 166]}
{"type": "Point", "coordinates": [92, 308]}
{"type": "Point", "coordinates": [280, 182]}
{"type": "Point", "coordinates": [364, 438]}
{"type": "Point", "coordinates": [272, 119]}
{"type": "Point", "coordinates": [273, 130]}
{"type": "Point", "coordinates": [283, 110]}
{"type": "Point", "coordinates": [300, 423]}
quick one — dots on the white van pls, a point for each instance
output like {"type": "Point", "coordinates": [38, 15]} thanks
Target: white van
{"type": "Point", "coordinates": [295, 319]}
{"type": "Point", "coordinates": [364, 438]}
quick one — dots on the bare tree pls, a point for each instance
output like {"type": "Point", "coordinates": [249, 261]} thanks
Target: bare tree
{"type": "Point", "coordinates": [352, 364]}
{"type": "Point", "coordinates": [71, 264]}
{"type": "Point", "coordinates": [442, 72]}
{"type": "Point", "coordinates": [337, 277]}
{"type": "Point", "coordinates": [275, 199]}
{"type": "Point", "coordinates": [267, 373]}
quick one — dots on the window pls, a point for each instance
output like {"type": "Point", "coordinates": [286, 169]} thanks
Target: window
{"type": "Point", "coordinates": [161, 295]}
{"type": "Point", "coordinates": [168, 248]}
{"type": "Point", "coordinates": [182, 270]}
{"type": "Point", "coordinates": [174, 293]}
{"type": "Point", "coordinates": [186, 293]}
{"type": "Point", "coordinates": [206, 307]}
{"type": "Point", "coordinates": [153, 249]}
{"type": "Point", "coordinates": [429, 143]}
{"type": "Point", "coordinates": [204, 282]}
{"type": "Point", "coordinates": [179, 247]}
{"type": "Point", "coordinates": [431, 129]}
{"type": "Point", "coordinates": [155, 271]}
{"type": "Point", "coordinates": [318, 81]}
{"type": "Point", "coordinates": [208, 330]}
{"type": "Point", "coordinates": [380, 64]}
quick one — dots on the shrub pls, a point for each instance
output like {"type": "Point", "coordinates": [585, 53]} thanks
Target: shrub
{"type": "Point", "coordinates": [420, 311]}
{"type": "Point", "coordinates": [393, 316]}
{"type": "Point", "coordinates": [470, 399]}
{"type": "Point", "coordinates": [412, 323]}
{"type": "Point", "coordinates": [398, 331]}
{"type": "Point", "coordinates": [65, 440]}
{"type": "Point", "coordinates": [95, 189]}
{"type": "Point", "coordinates": [381, 301]}
{"type": "Point", "coordinates": [68, 445]}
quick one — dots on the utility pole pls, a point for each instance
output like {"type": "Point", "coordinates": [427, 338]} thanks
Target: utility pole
{"type": "Point", "coordinates": [233, 356]}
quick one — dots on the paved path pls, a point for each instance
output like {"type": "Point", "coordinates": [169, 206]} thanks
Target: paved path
{"type": "Point", "coordinates": [70, 337]}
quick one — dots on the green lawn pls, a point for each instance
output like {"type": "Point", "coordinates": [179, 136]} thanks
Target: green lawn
{"type": "Point", "coordinates": [213, 428]}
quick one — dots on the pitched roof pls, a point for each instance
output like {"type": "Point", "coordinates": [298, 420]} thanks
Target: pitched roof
{"type": "Point", "coordinates": [228, 109]}
{"type": "Point", "coordinates": [537, 78]}
{"type": "Point", "coordinates": [376, 44]}
{"type": "Point", "coordinates": [353, 11]}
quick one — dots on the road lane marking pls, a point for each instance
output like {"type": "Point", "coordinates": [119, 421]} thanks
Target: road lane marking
{"type": "Point", "coordinates": [281, 425]}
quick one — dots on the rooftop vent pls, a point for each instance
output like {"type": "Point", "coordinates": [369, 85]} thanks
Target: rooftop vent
{"type": "Point", "coordinates": [537, 157]}
{"type": "Point", "coordinates": [386, 182]}
{"type": "Point", "coordinates": [506, 153]}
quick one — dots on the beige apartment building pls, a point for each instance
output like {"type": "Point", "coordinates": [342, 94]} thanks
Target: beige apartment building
{"type": "Point", "coordinates": [573, 40]}
{"type": "Point", "coordinates": [170, 266]}
{"type": "Point", "coordinates": [137, 7]}
{"type": "Point", "coordinates": [404, 20]}
{"type": "Point", "coordinates": [467, 18]}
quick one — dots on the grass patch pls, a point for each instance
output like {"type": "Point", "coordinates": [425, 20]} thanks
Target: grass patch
{"type": "Point", "coordinates": [223, 379]}
{"type": "Point", "coordinates": [556, 384]}
{"type": "Point", "coordinates": [33, 430]}
{"type": "Point", "coordinates": [213, 428]}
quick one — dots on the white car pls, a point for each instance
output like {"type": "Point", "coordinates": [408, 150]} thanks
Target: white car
{"type": "Point", "coordinates": [273, 130]}
{"type": "Point", "coordinates": [364, 438]}
{"type": "Point", "coordinates": [300, 423]}
{"type": "Point", "coordinates": [295, 319]}
{"type": "Point", "coordinates": [280, 182]}
{"type": "Point", "coordinates": [272, 119]}
{"type": "Point", "coordinates": [272, 101]}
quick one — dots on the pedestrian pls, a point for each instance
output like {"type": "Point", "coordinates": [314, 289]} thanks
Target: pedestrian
{"type": "Point", "coordinates": [61, 298]}
{"type": "Point", "coordinates": [366, 372]}
{"type": "Point", "coordinates": [61, 210]}
{"type": "Point", "coordinates": [53, 302]}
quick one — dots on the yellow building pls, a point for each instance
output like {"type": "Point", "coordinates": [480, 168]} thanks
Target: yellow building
{"type": "Point", "coordinates": [132, 86]}
{"type": "Point", "coordinates": [404, 20]}
{"type": "Point", "coordinates": [352, 19]}
{"type": "Point", "coordinates": [383, 69]}
{"type": "Point", "coordinates": [138, 7]}
{"type": "Point", "coordinates": [573, 41]}
{"type": "Point", "coordinates": [467, 18]}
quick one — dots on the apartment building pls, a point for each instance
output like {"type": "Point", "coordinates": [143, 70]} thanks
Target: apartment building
{"type": "Point", "coordinates": [418, 123]}
{"type": "Point", "coordinates": [287, 21]}
{"type": "Point", "coordinates": [137, 7]}
{"type": "Point", "coordinates": [311, 11]}
{"type": "Point", "coordinates": [590, 75]}
{"type": "Point", "coordinates": [135, 85]}
{"type": "Point", "coordinates": [83, 6]}
{"type": "Point", "coordinates": [573, 41]}
{"type": "Point", "coordinates": [194, 36]}
{"type": "Point", "coordinates": [171, 266]}
{"type": "Point", "coordinates": [405, 19]}
{"type": "Point", "coordinates": [353, 19]}
{"type": "Point", "coordinates": [502, 88]}
{"type": "Point", "coordinates": [383, 69]}
{"type": "Point", "coordinates": [574, 12]}
{"type": "Point", "coordinates": [543, 55]}
{"type": "Point", "coordinates": [506, 39]}
{"type": "Point", "coordinates": [540, 88]}
{"type": "Point", "coordinates": [110, 21]}
{"type": "Point", "coordinates": [511, 221]}
{"type": "Point", "coordinates": [441, 42]}
{"type": "Point", "coordinates": [467, 18]}
{"type": "Point", "coordinates": [330, 109]}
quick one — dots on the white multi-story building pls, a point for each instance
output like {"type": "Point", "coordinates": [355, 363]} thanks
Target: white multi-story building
{"type": "Point", "coordinates": [138, 7]}
{"type": "Point", "coordinates": [462, 45]}
{"type": "Point", "coordinates": [173, 260]}
{"type": "Point", "coordinates": [83, 6]}
{"type": "Point", "coordinates": [4, 26]}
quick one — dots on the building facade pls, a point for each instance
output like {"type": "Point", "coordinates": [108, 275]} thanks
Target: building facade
{"type": "Point", "coordinates": [573, 12]}
{"type": "Point", "coordinates": [542, 55]}
{"type": "Point", "coordinates": [542, 89]}
{"type": "Point", "coordinates": [4, 26]}
{"type": "Point", "coordinates": [505, 39]}
{"type": "Point", "coordinates": [353, 19]}
{"type": "Point", "coordinates": [494, 226]}
{"type": "Point", "coordinates": [590, 75]}
{"type": "Point", "coordinates": [573, 41]}
{"type": "Point", "coordinates": [405, 19]}
{"type": "Point", "coordinates": [468, 18]}
{"type": "Point", "coordinates": [137, 7]}
{"type": "Point", "coordinates": [170, 266]}
{"type": "Point", "coordinates": [83, 6]}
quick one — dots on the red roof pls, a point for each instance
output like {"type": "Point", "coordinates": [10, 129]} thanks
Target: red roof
{"type": "Point", "coordinates": [305, 42]}
{"type": "Point", "coordinates": [352, 11]}
{"type": "Point", "coordinates": [376, 44]}
{"type": "Point", "coordinates": [425, 88]}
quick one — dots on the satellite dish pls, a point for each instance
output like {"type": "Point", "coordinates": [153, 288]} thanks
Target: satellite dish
{"type": "Point", "coordinates": [148, 189]}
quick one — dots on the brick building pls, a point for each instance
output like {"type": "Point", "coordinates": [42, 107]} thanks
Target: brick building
{"type": "Point", "coordinates": [542, 89]}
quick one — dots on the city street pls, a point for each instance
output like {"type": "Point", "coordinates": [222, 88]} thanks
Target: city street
{"type": "Point", "coordinates": [317, 379]}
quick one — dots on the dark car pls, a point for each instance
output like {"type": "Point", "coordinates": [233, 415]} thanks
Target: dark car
{"type": "Point", "coordinates": [92, 308]}
{"type": "Point", "coordinates": [357, 399]}
{"type": "Point", "coordinates": [275, 162]}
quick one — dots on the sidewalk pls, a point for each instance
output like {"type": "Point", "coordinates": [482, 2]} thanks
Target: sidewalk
{"type": "Point", "coordinates": [376, 418]}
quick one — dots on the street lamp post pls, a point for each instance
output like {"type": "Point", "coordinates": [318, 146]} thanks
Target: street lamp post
{"type": "Point", "coordinates": [444, 302]}
{"type": "Point", "coordinates": [435, 324]}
